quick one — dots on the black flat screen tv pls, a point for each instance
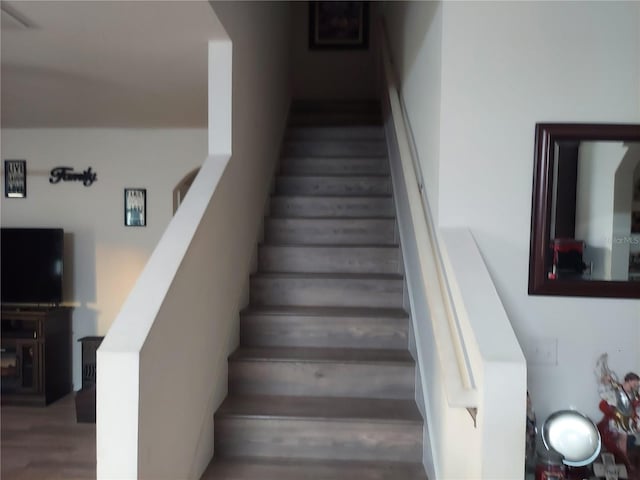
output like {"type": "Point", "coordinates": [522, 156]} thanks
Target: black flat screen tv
{"type": "Point", "coordinates": [31, 265]}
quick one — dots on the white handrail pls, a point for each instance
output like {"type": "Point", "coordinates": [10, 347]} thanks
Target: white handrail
{"type": "Point", "coordinates": [456, 312]}
{"type": "Point", "coordinates": [458, 377]}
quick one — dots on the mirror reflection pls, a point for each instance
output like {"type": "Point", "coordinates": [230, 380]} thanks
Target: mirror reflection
{"type": "Point", "coordinates": [595, 211]}
{"type": "Point", "coordinates": [585, 210]}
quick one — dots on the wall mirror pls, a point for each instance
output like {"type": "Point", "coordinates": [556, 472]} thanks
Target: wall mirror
{"type": "Point", "coordinates": [585, 220]}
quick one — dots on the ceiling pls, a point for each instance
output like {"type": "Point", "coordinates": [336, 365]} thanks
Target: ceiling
{"type": "Point", "coordinates": [105, 63]}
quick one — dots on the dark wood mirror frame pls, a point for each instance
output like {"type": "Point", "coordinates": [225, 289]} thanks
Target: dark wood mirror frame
{"type": "Point", "coordinates": [546, 135]}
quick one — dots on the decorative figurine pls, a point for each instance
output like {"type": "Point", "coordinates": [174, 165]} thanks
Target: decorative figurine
{"type": "Point", "coordinates": [620, 405]}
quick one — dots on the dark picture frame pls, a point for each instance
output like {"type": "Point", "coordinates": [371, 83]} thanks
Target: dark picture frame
{"type": "Point", "coordinates": [635, 222]}
{"type": "Point", "coordinates": [15, 178]}
{"type": "Point", "coordinates": [541, 254]}
{"type": "Point", "coordinates": [135, 207]}
{"type": "Point", "coordinates": [338, 25]}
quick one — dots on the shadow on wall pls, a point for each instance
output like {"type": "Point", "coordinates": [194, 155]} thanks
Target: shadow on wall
{"type": "Point", "coordinates": [79, 262]}
{"type": "Point", "coordinates": [80, 253]}
{"type": "Point", "coordinates": [407, 26]}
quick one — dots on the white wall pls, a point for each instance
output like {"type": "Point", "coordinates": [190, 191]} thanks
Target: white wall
{"type": "Point", "coordinates": [415, 36]}
{"type": "Point", "coordinates": [103, 258]}
{"type": "Point", "coordinates": [329, 73]}
{"type": "Point", "coordinates": [472, 359]}
{"type": "Point", "coordinates": [504, 67]}
{"type": "Point", "coordinates": [183, 313]}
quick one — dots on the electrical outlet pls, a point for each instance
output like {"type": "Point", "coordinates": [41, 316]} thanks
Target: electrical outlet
{"type": "Point", "coordinates": [543, 351]}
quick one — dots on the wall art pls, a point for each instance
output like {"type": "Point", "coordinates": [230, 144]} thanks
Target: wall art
{"type": "Point", "coordinates": [338, 25]}
{"type": "Point", "coordinates": [67, 174]}
{"type": "Point", "coordinates": [15, 178]}
{"type": "Point", "coordinates": [135, 207]}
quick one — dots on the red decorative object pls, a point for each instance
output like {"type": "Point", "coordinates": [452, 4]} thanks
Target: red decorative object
{"type": "Point", "coordinates": [567, 258]}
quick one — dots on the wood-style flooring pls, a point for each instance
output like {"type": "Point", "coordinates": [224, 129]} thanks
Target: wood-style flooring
{"type": "Point", "coordinates": [46, 443]}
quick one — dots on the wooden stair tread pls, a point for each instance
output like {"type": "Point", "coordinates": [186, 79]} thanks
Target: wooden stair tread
{"type": "Point", "coordinates": [346, 158]}
{"type": "Point", "coordinates": [333, 206]}
{"type": "Point", "coordinates": [332, 245]}
{"type": "Point", "coordinates": [321, 132]}
{"type": "Point", "coordinates": [306, 354]}
{"type": "Point", "coordinates": [320, 197]}
{"type": "Point", "coordinates": [335, 119]}
{"type": "Point", "coordinates": [386, 246]}
{"type": "Point", "coordinates": [335, 104]}
{"type": "Point", "coordinates": [341, 141]}
{"type": "Point", "coordinates": [332, 217]}
{"type": "Point", "coordinates": [325, 311]}
{"type": "Point", "coordinates": [312, 327]}
{"type": "Point", "coordinates": [336, 276]}
{"type": "Point", "coordinates": [249, 468]}
{"type": "Point", "coordinates": [334, 175]}
{"type": "Point", "coordinates": [320, 408]}
{"type": "Point", "coordinates": [323, 196]}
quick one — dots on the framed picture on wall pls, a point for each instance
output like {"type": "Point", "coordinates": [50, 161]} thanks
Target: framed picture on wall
{"type": "Point", "coordinates": [135, 207]}
{"type": "Point", "coordinates": [15, 178]}
{"type": "Point", "coordinates": [338, 25]}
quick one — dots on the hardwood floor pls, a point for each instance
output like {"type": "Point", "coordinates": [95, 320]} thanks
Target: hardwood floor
{"type": "Point", "coordinates": [46, 443]}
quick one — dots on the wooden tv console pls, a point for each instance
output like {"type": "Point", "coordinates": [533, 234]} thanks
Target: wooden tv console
{"type": "Point", "coordinates": [36, 354]}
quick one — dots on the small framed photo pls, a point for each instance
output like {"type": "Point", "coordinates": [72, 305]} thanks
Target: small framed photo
{"type": "Point", "coordinates": [15, 178]}
{"type": "Point", "coordinates": [338, 25]}
{"type": "Point", "coordinates": [135, 207]}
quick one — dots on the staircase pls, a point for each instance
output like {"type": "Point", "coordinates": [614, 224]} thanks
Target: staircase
{"type": "Point", "coordinates": [322, 386]}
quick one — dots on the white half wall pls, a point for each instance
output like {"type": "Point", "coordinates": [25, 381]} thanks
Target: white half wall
{"type": "Point", "coordinates": [103, 258]}
{"type": "Point", "coordinates": [180, 322]}
{"type": "Point", "coordinates": [504, 67]}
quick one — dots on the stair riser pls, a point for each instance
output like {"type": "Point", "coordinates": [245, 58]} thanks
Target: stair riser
{"type": "Point", "coordinates": [335, 133]}
{"type": "Point", "coordinates": [345, 440]}
{"type": "Point", "coordinates": [328, 332]}
{"type": "Point", "coordinates": [326, 292]}
{"type": "Point", "coordinates": [334, 119]}
{"type": "Point", "coordinates": [298, 185]}
{"type": "Point", "coordinates": [332, 207]}
{"type": "Point", "coordinates": [329, 259]}
{"type": "Point", "coordinates": [335, 166]}
{"type": "Point", "coordinates": [335, 106]}
{"type": "Point", "coordinates": [332, 148]}
{"type": "Point", "coordinates": [332, 231]}
{"type": "Point", "coordinates": [326, 379]}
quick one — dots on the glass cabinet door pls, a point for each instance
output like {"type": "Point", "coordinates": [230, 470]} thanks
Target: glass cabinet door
{"type": "Point", "coordinates": [9, 368]}
{"type": "Point", "coordinates": [19, 367]}
{"type": "Point", "coordinates": [29, 369]}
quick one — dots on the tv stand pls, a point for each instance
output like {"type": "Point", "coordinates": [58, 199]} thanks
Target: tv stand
{"type": "Point", "coordinates": [35, 354]}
